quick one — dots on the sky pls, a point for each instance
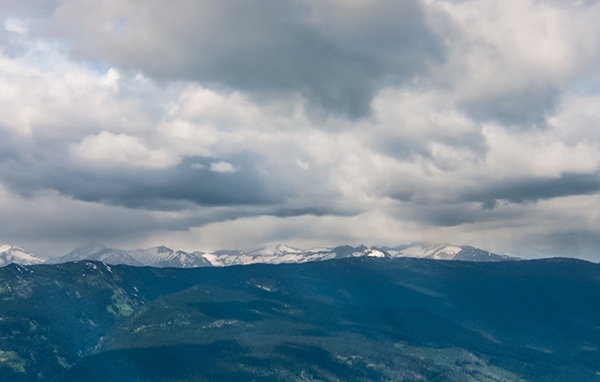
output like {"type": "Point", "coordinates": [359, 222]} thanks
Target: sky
{"type": "Point", "coordinates": [204, 125]}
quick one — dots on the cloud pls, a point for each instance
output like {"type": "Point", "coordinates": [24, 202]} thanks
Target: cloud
{"type": "Point", "coordinates": [49, 223]}
{"type": "Point", "coordinates": [15, 26]}
{"type": "Point", "coordinates": [532, 190]}
{"type": "Point", "coordinates": [172, 188]}
{"type": "Point", "coordinates": [511, 61]}
{"type": "Point", "coordinates": [222, 167]}
{"type": "Point", "coordinates": [312, 122]}
{"type": "Point", "coordinates": [523, 107]}
{"type": "Point", "coordinates": [538, 155]}
{"type": "Point", "coordinates": [265, 47]}
{"type": "Point", "coordinates": [111, 150]}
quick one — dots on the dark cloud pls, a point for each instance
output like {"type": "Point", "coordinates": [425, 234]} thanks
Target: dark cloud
{"type": "Point", "coordinates": [523, 107]}
{"type": "Point", "coordinates": [405, 149]}
{"type": "Point", "coordinates": [168, 189]}
{"type": "Point", "coordinates": [445, 215]}
{"type": "Point", "coordinates": [488, 193]}
{"type": "Point", "coordinates": [253, 189]}
{"type": "Point", "coordinates": [452, 213]}
{"type": "Point", "coordinates": [463, 204]}
{"type": "Point", "coordinates": [266, 46]}
{"type": "Point", "coordinates": [534, 189]}
{"type": "Point", "coordinates": [323, 210]}
{"type": "Point", "coordinates": [9, 149]}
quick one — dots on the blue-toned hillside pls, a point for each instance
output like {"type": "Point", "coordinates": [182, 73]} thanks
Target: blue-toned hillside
{"type": "Point", "coordinates": [355, 319]}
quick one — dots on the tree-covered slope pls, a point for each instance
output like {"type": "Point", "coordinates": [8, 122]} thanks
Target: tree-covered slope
{"type": "Point", "coordinates": [359, 319]}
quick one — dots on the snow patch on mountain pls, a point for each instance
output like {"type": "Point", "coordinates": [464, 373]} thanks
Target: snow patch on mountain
{"type": "Point", "coordinates": [439, 252]}
{"type": "Point", "coordinates": [11, 254]}
{"type": "Point", "coordinates": [276, 250]}
{"type": "Point", "coordinates": [97, 252]}
{"type": "Point", "coordinates": [162, 256]}
{"type": "Point", "coordinates": [275, 254]}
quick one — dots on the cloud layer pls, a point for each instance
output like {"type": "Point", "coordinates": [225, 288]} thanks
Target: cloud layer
{"type": "Point", "coordinates": [206, 125]}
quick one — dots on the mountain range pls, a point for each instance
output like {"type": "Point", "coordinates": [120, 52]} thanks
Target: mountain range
{"type": "Point", "coordinates": [362, 319]}
{"type": "Point", "coordinates": [163, 257]}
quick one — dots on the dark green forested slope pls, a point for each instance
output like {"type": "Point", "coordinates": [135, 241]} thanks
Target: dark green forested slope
{"type": "Point", "coordinates": [360, 319]}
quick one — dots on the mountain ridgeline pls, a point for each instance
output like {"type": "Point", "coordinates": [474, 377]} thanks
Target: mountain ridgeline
{"type": "Point", "coordinates": [351, 319]}
{"type": "Point", "coordinates": [164, 257]}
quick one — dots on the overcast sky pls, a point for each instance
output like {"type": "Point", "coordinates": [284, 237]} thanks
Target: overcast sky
{"type": "Point", "coordinates": [204, 125]}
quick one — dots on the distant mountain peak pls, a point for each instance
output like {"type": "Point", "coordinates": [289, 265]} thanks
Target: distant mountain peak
{"type": "Point", "coordinates": [163, 249]}
{"type": "Point", "coordinates": [11, 254]}
{"type": "Point", "coordinates": [276, 249]}
{"type": "Point", "coordinates": [162, 256]}
{"type": "Point", "coordinates": [5, 248]}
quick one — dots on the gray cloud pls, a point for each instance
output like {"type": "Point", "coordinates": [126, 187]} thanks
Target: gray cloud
{"type": "Point", "coordinates": [256, 187]}
{"type": "Point", "coordinates": [169, 189]}
{"type": "Point", "coordinates": [312, 120]}
{"type": "Point", "coordinates": [263, 47]}
{"type": "Point", "coordinates": [535, 189]}
{"type": "Point", "coordinates": [446, 215]}
{"type": "Point", "coordinates": [28, 9]}
{"type": "Point", "coordinates": [453, 208]}
{"type": "Point", "coordinates": [456, 214]}
{"type": "Point", "coordinates": [524, 107]}
{"type": "Point", "coordinates": [404, 149]}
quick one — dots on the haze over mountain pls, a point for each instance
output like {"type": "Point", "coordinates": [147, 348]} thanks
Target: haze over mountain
{"type": "Point", "coordinates": [276, 254]}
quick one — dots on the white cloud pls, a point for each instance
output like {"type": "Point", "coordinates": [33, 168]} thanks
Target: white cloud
{"type": "Point", "coordinates": [303, 165]}
{"type": "Point", "coordinates": [115, 150]}
{"type": "Point", "coordinates": [503, 46]}
{"type": "Point", "coordinates": [577, 120]}
{"type": "Point", "coordinates": [47, 95]}
{"type": "Point", "coordinates": [222, 167]}
{"type": "Point", "coordinates": [15, 26]}
{"type": "Point", "coordinates": [111, 80]}
{"type": "Point", "coordinates": [188, 138]}
{"type": "Point", "coordinates": [537, 154]}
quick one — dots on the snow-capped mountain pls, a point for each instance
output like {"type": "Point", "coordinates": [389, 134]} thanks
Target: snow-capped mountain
{"type": "Point", "coordinates": [166, 257]}
{"type": "Point", "coordinates": [99, 253]}
{"type": "Point", "coordinates": [446, 252]}
{"type": "Point", "coordinates": [360, 251]}
{"type": "Point", "coordinates": [442, 252]}
{"type": "Point", "coordinates": [10, 254]}
{"type": "Point", "coordinates": [162, 256]}
{"type": "Point", "coordinates": [469, 253]}
{"type": "Point", "coordinates": [279, 254]}
{"type": "Point", "coordinates": [276, 254]}
{"type": "Point", "coordinates": [155, 257]}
